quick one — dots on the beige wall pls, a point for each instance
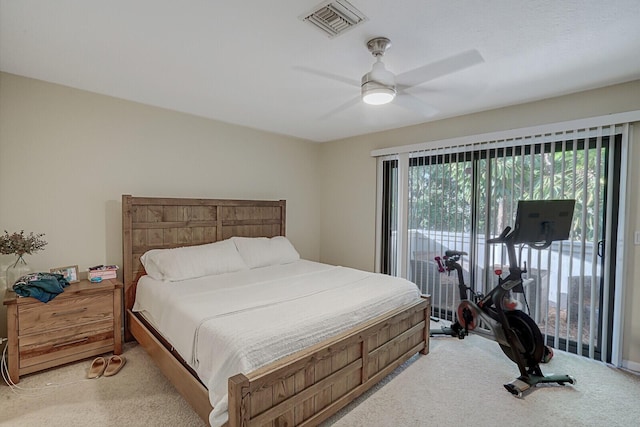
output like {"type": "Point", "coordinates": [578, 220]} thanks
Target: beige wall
{"type": "Point", "coordinates": [349, 180]}
{"type": "Point", "coordinates": [67, 156]}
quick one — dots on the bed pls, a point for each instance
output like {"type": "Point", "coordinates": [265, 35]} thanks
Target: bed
{"type": "Point", "coordinates": [303, 387]}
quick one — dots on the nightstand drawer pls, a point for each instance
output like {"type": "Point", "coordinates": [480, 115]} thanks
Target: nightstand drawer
{"type": "Point", "coordinates": [41, 348]}
{"type": "Point", "coordinates": [61, 313]}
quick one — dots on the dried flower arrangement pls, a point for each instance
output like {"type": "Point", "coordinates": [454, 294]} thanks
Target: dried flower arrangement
{"type": "Point", "coordinates": [20, 244]}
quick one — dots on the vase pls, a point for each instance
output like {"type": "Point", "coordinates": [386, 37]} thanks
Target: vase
{"type": "Point", "coordinates": [16, 270]}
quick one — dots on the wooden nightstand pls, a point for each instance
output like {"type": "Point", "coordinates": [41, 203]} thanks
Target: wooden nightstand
{"type": "Point", "coordinates": [81, 322]}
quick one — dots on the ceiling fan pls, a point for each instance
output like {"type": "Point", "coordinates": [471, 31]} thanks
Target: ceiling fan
{"type": "Point", "coordinates": [380, 86]}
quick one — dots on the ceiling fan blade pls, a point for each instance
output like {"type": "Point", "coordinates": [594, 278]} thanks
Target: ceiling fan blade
{"type": "Point", "coordinates": [330, 76]}
{"type": "Point", "coordinates": [414, 90]}
{"type": "Point", "coordinates": [340, 108]}
{"type": "Point", "coordinates": [416, 105]}
{"type": "Point", "coordinates": [440, 68]}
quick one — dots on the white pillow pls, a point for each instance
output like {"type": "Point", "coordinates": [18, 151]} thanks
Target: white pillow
{"type": "Point", "coordinates": [263, 251]}
{"type": "Point", "coordinates": [189, 262]}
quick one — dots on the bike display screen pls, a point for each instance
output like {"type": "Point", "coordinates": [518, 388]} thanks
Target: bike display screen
{"type": "Point", "coordinates": [540, 221]}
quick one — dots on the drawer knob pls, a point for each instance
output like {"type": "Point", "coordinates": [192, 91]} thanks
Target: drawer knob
{"type": "Point", "coordinates": [64, 313]}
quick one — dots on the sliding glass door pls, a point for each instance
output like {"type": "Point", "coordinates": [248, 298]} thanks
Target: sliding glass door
{"type": "Point", "coordinates": [458, 197]}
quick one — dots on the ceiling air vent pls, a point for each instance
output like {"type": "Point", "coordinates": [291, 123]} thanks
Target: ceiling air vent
{"type": "Point", "coordinates": [334, 17]}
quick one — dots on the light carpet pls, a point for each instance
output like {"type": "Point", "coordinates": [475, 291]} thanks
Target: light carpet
{"type": "Point", "coordinates": [138, 395]}
{"type": "Point", "coordinates": [458, 383]}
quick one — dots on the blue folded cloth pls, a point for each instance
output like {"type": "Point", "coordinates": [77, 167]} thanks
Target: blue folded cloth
{"type": "Point", "coordinates": [42, 286]}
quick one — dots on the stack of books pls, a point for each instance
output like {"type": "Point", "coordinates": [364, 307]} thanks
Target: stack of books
{"type": "Point", "coordinates": [103, 272]}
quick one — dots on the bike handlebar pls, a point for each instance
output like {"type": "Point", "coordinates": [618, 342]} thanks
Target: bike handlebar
{"type": "Point", "coordinates": [501, 237]}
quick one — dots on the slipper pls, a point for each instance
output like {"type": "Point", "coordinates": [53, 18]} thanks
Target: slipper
{"type": "Point", "coordinates": [97, 368]}
{"type": "Point", "coordinates": [114, 365]}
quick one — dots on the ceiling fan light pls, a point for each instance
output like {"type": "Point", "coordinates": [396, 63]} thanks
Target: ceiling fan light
{"type": "Point", "coordinates": [378, 96]}
{"type": "Point", "coordinates": [378, 85]}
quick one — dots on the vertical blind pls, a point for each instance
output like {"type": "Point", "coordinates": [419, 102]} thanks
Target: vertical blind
{"type": "Point", "coordinates": [457, 197]}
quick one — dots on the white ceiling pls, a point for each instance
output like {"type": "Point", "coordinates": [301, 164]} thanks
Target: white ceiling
{"type": "Point", "coordinates": [243, 62]}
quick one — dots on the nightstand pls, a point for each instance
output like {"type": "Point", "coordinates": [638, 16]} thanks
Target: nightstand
{"type": "Point", "coordinates": [81, 322]}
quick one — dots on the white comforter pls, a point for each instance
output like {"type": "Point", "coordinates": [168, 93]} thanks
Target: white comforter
{"type": "Point", "coordinates": [235, 323]}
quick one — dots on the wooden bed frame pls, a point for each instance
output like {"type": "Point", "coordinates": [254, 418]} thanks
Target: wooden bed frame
{"type": "Point", "coordinates": [304, 388]}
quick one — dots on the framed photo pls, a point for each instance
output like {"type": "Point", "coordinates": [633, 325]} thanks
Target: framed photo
{"type": "Point", "coordinates": [70, 273]}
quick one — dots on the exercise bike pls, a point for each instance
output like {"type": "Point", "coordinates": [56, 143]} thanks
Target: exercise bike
{"type": "Point", "coordinates": [538, 224]}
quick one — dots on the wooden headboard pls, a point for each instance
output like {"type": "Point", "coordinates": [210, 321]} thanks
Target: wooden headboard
{"type": "Point", "coordinates": [153, 223]}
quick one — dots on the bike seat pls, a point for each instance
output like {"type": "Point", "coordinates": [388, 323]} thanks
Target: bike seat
{"type": "Point", "coordinates": [454, 253]}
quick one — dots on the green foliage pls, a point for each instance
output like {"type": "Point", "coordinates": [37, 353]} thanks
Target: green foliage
{"type": "Point", "coordinates": [441, 193]}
